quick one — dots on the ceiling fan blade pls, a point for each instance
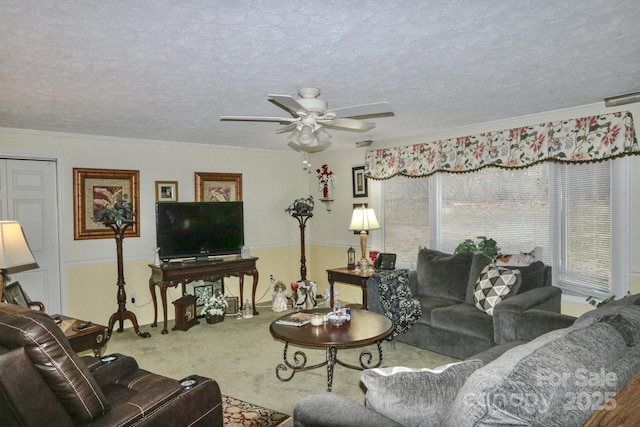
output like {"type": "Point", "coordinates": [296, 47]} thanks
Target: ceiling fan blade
{"type": "Point", "coordinates": [377, 109]}
{"type": "Point", "coordinates": [287, 128]}
{"type": "Point", "coordinates": [281, 120]}
{"type": "Point", "coordinates": [350, 124]}
{"type": "Point", "coordinates": [288, 103]}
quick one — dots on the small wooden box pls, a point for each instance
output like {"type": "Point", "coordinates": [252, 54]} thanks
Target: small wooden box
{"type": "Point", "coordinates": [185, 313]}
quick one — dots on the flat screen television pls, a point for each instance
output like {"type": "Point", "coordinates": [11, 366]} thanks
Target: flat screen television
{"type": "Point", "coordinates": [199, 229]}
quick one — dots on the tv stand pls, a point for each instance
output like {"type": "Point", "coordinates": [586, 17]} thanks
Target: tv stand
{"type": "Point", "coordinates": [173, 274]}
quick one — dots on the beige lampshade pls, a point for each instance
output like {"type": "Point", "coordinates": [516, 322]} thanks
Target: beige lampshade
{"type": "Point", "coordinates": [15, 255]}
{"type": "Point", "coordinates": [363, 219]}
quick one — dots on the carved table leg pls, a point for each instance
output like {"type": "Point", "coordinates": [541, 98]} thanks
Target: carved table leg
{"type": "Point", "coordinates": [152, 289]}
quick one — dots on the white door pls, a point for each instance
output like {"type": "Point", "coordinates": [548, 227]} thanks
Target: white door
{"type": "Point", "coordinates": [28, 195]}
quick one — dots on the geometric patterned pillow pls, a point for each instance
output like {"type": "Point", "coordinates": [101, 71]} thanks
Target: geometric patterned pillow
{"type": "Point", "coordinates": [493, 285]}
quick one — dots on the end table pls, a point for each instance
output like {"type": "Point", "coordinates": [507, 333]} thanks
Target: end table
{"type": "Point", "coordinates": [350, 277]}
{"type": "Point", "coordinates": [94, 337]}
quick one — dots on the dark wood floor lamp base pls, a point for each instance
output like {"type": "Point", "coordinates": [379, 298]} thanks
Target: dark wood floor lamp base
{"type": "Point", "coordinates": [122, 314]}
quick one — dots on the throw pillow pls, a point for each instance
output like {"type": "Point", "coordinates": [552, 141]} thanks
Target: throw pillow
{"type": "Point", "coordinates": [493, 285]}
{"type": "Point", "coordinates": [443, 275]}
{"type": "Point", "coordinates": [414, 397]}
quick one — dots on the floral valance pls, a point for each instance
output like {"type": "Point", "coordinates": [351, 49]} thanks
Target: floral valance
{"type": "Point", "coordinates": [584, 139]}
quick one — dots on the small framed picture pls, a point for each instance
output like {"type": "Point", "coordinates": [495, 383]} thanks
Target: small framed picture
{"type": "Point", "coordinates": [359, 182]}
{"type": "Point", "coordinates": [166, 191]}
{"type": "Point", "coordinates": [232, 306]}
{"type": "Point", "coordinates": [13, 294]}
{"type": "Point", "coordinates": [218, 187]}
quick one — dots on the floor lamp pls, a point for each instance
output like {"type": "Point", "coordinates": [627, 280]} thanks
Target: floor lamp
{"type": "Point", "coordinates": [15, 255]}
{"type": "Point", "coordinates": [363, 220]}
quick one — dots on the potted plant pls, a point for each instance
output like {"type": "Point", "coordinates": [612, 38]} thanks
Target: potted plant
{"type": "Point", "coordinates": [485, 245]}
{"type": "Point", "coordinates": [214, 309]}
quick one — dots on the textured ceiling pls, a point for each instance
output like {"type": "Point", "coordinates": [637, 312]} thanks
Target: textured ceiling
{"type": "Point", "coordinates": [167, 69]}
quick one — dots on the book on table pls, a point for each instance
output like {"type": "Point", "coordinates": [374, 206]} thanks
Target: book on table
{"type": "Point", "coordinates": [295, 319]}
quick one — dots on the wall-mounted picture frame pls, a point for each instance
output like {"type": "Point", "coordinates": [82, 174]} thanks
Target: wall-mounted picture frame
{"type": "Point", "coordinates": [232, 306]}
{"type": "Point", "coordinates": [96, 188]}
{"type": "Point", "coordinates": [166, 191]}
{"type": "Point", "coordinates": [218, 187]}
{"type": "Point", "coordinates": [359, 182]}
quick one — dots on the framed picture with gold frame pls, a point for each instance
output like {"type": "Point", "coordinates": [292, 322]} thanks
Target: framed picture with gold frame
{"type": "Point", "coordinates": [218, 187]}
{"type": "Point", "coordinates": [166, 191]}
{"type": "Point", "coordinates": [96, 188]}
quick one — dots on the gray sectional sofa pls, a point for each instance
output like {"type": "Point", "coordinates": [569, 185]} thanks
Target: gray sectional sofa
{"type": "Point", "coordinates": [451, 323]}
{"type": "Point", "coordinates": [557, 379]}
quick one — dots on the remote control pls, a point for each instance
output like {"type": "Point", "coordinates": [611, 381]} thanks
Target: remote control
{"type": "Point", "coordinates": [84, 325]}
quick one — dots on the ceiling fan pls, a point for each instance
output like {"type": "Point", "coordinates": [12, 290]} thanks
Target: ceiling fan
{"type": "Point", "coordinates": [310, 117]}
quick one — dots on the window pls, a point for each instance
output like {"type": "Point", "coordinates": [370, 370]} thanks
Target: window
{"type": "Point", "coordinates": [567, 209]}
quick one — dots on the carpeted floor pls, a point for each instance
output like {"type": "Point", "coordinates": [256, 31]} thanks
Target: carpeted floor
{"type": "Point", "coordinates": [241, 356]}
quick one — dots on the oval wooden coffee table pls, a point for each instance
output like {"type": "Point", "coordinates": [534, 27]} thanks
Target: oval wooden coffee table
{"type": "Point", "coordinates": [365, 328]}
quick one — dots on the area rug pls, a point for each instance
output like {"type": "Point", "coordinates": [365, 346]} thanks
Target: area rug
{"type": "Point", "coordinates": [238, 413]}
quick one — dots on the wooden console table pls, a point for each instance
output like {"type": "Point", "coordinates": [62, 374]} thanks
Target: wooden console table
{"type": "Point", "coordinates": [173, 274]}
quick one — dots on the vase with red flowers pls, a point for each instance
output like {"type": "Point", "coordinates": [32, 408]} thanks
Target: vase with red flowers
{"type": "Point", "coordinates": [325, 180]}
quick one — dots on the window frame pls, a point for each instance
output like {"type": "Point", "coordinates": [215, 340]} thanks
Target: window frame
{"type": "Point", "coordinates": [620, 229]}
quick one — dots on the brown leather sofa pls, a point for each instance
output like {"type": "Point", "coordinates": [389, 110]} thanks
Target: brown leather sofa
{"type": "Point", "coordinates": [44, 383]}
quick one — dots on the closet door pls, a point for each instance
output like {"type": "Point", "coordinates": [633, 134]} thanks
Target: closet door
{"type": "Point", "coordinates": [28, 195]}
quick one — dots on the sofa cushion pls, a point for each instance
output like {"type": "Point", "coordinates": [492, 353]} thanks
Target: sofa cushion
{"type": "Point", "coordinates": [464, 319]}
{"type": "Point", "coordinates": [443, 275]}
{"type": "Point", "coordinates": [627, 324]}
{"type": "Point", "coordinates": [541, 382]}
{"type": "Point", "coordinates": [428, 304]}
{"type": "Point", "coordinates": [414, 397]}
{"type": "Point", "coordinates": [627, 307]}
{"type": "Point", "coordinates": [531, 276]}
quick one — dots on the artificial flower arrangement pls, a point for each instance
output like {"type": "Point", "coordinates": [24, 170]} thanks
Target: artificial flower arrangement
{"type": "Point", "coordinates": [325, 180]}
{"type": "Point", "coordinates": [118, 212]}
{"type": "Point", "coordinates": [215, 306]}
{"type": "Point", "coordinates": [300, 206]}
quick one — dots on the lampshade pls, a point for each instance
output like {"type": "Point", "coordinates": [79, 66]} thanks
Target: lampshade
{"type": "Point", "coordinates": [363, 219]}
{"type": "Point", "coordinates": [15, 255]}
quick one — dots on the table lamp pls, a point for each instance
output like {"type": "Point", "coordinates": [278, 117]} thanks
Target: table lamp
{"type": "Point", "coordinates": [15, 255]}
{"type": "Point", "coordinates": [363, 220]}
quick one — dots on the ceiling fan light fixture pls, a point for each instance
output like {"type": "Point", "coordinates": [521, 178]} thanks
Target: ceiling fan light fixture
{"type": "Point", "coordinates": [294, 136]}
{"type": "Point", "coordinates": [306, 135]}
{"type": "Point", "coordinates": [322, 135]}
